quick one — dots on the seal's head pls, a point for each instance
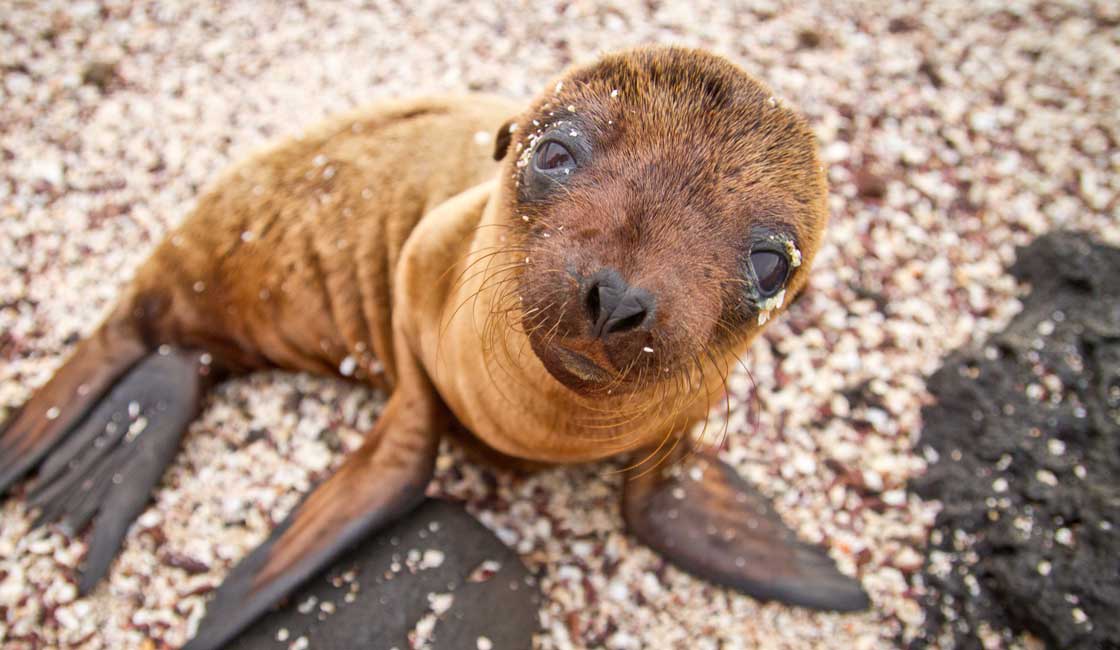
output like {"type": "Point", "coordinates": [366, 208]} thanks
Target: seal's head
{"type": "Point", "coordinates": [664, 206]}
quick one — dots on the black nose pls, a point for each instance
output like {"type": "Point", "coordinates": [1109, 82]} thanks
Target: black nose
{"type": "Point", "coordinates": [614, 306]}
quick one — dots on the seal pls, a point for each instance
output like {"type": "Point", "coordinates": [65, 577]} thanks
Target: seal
{"type": "Point", "coordinates": [554, 284]}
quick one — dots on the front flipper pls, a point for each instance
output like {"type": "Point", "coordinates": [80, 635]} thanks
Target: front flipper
{"type": "Point", "coordinates": [382, 480]}
{"type": "Point", "coordinates": [707, 520]}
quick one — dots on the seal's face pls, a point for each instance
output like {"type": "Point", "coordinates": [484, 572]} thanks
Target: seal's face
{"type": "Point", "coordinates": [666, 205]}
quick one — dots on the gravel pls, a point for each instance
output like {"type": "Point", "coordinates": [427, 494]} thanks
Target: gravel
{"type": "Point", "coordinates": [954, 134]}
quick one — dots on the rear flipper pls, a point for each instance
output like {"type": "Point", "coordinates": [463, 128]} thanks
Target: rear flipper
{"type": "Point", "coordinates": [111, 457]}
{"type": "Point", "coordinates": [710, 522]}
{"type": "Point", "coordinates": [58, 407]}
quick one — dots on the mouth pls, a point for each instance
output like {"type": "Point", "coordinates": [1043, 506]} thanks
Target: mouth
{"type": "Point", "coordinates": [581, 366]}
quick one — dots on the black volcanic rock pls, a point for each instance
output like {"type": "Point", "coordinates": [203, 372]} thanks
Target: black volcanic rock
{"type": "Point", "coordinates": [1026, 433]}
{"type": "Point", "coordinates": [399, 581]}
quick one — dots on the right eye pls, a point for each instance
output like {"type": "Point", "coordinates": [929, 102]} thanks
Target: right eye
{"type": "Point", "coordinates": [552, 156]}
{"type": "Point", "coordinates": [770, 268]}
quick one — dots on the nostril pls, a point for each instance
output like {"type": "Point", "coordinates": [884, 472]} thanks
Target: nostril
{"type": "Point", "coordinates": [613, 306]}
{"type": "Point", "coordinates": [631, 311]}
{"type": "Point", "coordinates": [626, 324]}
{"type": "Point", "coordinates": [593, 303]}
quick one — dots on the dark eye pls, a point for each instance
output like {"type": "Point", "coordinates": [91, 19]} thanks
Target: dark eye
{"type": "Point", "coordinates": [770, 268]}
{"type": "Point", "coordinates": [552, 156]}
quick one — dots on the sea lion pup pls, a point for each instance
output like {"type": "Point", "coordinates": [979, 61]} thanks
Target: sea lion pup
{"type": "Point", "coordinates": [582, 297]}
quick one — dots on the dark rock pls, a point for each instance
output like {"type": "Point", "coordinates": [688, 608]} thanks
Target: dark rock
{"type": "Point", "coordinates": [100, 74]}
{"type": "Point", "coordinates": [186, 563]}
{"type": "Point", "coordinates": [902, 24]}
{"type": "Point", "coordinates": [808, 39]}
{"type": "Point", "coordinates": [929, 70]}
{"type": "Point", "coordinates": [869, 184]}
{"type": "Point", "coordinates": [1028, 437]}
{"type": "Point", "coordinates": [256, 434]}
{"type": "Point", "coordinates": [493, 595]}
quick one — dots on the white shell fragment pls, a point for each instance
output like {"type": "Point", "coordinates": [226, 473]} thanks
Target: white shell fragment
{"type": "Point", "coordinates": [794, 254]}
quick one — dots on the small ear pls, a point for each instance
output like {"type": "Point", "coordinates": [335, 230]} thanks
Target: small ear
{"type": "Point", "coordinates": [503, 138]}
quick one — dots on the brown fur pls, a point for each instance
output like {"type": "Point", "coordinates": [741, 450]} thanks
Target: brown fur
{"type": "Point", "coordinates": [324, 218]}
{"type": "Point", "coordinates": [390, 247]}
{"type": "Point", "coordinates": [694, 155]}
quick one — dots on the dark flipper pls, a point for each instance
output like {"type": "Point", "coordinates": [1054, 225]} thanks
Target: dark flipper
{"type": "Point", "coordinates": [107, 466]}
{"type": "Point", "coordinates": [710, 522]}
{"type": "Point", "coordinates": [59, 406]}
{"type": "Point", "coordinates": [382, 480]}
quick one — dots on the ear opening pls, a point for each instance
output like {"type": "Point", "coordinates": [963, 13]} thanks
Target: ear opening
{"type": "Point", "coordinates": [503, 138]}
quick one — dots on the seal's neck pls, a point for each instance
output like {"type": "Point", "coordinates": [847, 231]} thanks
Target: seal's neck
{"type": "Point", "coordinates": [512, 402]}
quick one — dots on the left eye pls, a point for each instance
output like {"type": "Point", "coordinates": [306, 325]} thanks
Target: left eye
{"type": "Point", "coordinates": [770, 268]}
{"type": "Point", "coordinates": [552, 156]}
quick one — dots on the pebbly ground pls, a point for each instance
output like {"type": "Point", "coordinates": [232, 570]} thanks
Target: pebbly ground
{"type": "Point", "coordinates": [954, 132]}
